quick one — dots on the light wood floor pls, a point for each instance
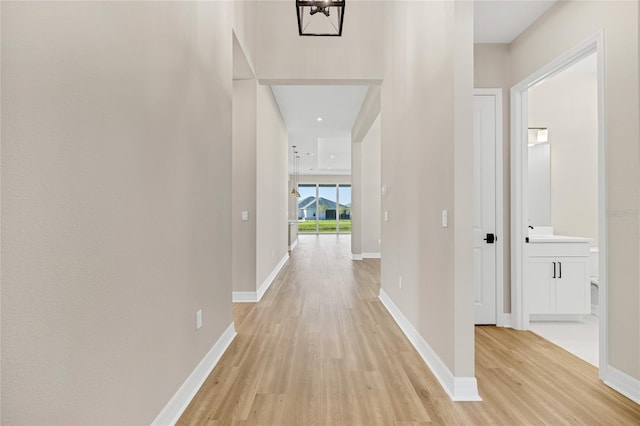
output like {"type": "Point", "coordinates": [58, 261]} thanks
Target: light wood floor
{"type": "Point", "coordinates": [321, 349]}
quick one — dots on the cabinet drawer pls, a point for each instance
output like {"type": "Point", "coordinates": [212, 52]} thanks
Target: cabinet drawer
{"type": "Point", "coordinates": [558, 249]}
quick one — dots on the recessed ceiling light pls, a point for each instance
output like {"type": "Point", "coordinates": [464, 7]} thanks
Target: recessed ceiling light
{"type": "Point", "coordinates": [333, 156]}
{"type": "Point", "coordinates": [319, 119]}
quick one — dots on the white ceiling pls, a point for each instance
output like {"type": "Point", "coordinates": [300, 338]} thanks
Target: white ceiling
{"type": "Point", "coordinates": [324, 147]}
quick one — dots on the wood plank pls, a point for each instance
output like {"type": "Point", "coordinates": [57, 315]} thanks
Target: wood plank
{"type": "Point", "coordinates": [321, 349]}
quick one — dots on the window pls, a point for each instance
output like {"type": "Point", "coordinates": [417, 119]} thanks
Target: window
{"type": "Point", "coordinates": [324, 208]}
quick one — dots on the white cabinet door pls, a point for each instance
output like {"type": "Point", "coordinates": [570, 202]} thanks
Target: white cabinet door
{"type": "Point", "coordinates": [573, 293]}
{"type": "Point", "coordinates": [541, 285]}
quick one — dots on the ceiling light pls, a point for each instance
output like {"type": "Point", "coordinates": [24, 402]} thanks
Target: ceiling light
{"type": "Point", "coordinates": [319, 119]}
{"type": "Point", "coordinates": [320, 17]}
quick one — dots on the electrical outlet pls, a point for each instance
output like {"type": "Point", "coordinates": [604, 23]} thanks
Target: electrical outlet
{"type": "Point", "coordinates": [386, 216]}
{"type": "Point", "coordinates": [400, 283]}
{"type": "Point", "coordinates": [199, 319]}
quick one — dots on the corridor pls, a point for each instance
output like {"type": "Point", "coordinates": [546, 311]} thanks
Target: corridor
{"type": "Point", "coordinates": [321, 349]}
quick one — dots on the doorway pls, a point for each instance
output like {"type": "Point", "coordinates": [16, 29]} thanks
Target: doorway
{"type": "Point", "coordinates": [527, 255]}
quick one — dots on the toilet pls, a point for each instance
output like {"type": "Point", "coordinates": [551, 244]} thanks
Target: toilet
{"type": "Point", "coordinates": [595, 280]}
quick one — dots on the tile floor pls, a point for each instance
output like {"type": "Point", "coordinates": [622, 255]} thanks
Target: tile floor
{"type": "Point", "coordinates": [578, 337]}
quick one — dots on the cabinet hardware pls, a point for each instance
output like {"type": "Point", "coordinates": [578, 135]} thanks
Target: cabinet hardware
{"type": "Point", "coordinates": [560, 268]}
{"type": "Point", "coordinates": [491, 238]}
{"type": "Point", "coordinates": [554, 270]}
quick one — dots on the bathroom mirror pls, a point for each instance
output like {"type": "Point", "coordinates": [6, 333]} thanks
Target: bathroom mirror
{"type": "Point", "coordinates": [539, 184]}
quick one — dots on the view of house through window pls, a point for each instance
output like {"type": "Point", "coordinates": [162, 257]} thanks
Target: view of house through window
{"type": "Point", "coordinates": [324, 208]}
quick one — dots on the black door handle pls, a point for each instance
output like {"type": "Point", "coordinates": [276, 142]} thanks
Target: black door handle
{"type": "Point", "coordinates": [560, 268]}
{"type": "Point", "coordinates": [554, 270]}
{"type": "Point", "coordinates": [491, 238]}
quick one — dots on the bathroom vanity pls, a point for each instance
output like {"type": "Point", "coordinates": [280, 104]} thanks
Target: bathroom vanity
{"type": "Point", "coordinates": [558, 277]}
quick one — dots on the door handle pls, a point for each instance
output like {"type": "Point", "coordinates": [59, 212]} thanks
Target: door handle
{"type": "Point", "coordinates": [560, 268]}
{"type": "Point", "coordinates": [554, 270]}
{"type": "Point", "coordinates": [491, 238]}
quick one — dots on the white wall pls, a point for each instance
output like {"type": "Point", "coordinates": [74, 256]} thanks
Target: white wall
{"type": "Point", "coordinates": [568, 106]}
{"type": "Point", "coordinates": [116, 187]}
{"type": "Point", "coordinates": [271, 186]}
{"type": "Point", "coordinates": [565, 26]}
{"type": "Point", "coordinates": [371, 171]}
{"type": "Point", "coordinates": [281, 54]}
{"type": "Point", "coordinates": [329, 179]}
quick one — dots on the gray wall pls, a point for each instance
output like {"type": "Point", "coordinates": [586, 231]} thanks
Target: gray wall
{"type": "Point", "coordinates": [244, 184]}
{"type": "Point", "coordinates": [371, 171]}
{"type": "Point", "coordinates": [272, 195]}
{"type": "Point", "coordinates": [116, 187]}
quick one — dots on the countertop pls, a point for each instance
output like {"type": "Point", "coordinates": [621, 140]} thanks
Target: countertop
{"type": "Point", "coordinates": [557, 239]}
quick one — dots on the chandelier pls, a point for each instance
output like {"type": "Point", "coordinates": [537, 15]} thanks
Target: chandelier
{"type": "Point", "coordinates": [320, 17]}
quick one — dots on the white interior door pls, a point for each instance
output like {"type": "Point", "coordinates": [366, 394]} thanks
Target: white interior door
{"type": "Point", "coordinates": [484, 214]}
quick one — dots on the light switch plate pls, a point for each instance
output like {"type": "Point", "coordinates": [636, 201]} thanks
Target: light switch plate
{"type": "Point", "coordinates": [245, 215]}
{"type": "Point", "coordinates": [199, 319]}
{"type": "Point", "coordinates": [445, 218]}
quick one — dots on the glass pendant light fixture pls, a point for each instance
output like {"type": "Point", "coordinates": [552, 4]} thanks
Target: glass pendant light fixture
{"type": "Point", "coordinates": [296, 160]}
{"type": "Point", "coordinates": [297, 174]}
{"type": "Point", "coordinates": [320, 17]}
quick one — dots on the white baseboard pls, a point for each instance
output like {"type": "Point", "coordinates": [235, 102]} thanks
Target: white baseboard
{"type": "Point", "coordinates": [623, 383]}
{"type": "Point", "coordinates": [458, 388]}
{"type": "Point", "coordinates": [293, 244]}
{"type": "Point", "coordinates": [244, 296]}
{"type": "Point", "coordinates": [356, 256]}
{"type": "Point", "coordinates": [556, 317]}
{"type": "Point", "coordinates": [371, 255]}
{"type": "Point", "coordinates": [181, 399]}
{"type": "Point", "coordinates": [255, 296]}
{"type": "Point", "coordinates": [504, 320]}
{"type": "Point", "coordinates": [272, 276]}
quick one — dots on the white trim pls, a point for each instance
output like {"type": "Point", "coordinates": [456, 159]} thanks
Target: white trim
{"type": "Point", "coordinates": [519, 202]}
{"type": "Point", "coordinates": [458, 388]}
{"type": "Point", "coordinates": [497, 93]}
{"type": "Point", "coordinates": [171, 413]}
{"type": "Point", "coordinates": [256, 296]}
{"type": "Point", "coordinates": [356, 256]}
{"type": "Point", "coordinates": [371, 255]}
{"type": "Point", "coordinates": [293, 244]}
{"type": "Point", "coordinates": [244, 296]}
{"type": "Point", "coordinates": [623, 383]}
{"type": "Point", "coordinates": [556, 317]}
{"type": "Point", "coordinates": [272, 276]}
{"type": "Point", "coordinates": [504, 320]}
